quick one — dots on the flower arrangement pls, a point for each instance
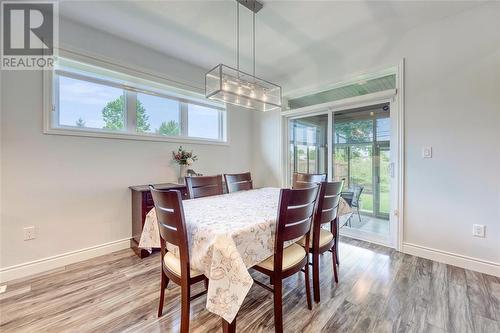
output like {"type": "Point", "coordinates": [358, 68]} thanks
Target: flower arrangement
{"type": "Point", "coordinates": [183, 157]}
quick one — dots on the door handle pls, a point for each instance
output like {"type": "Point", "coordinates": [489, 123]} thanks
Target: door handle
{"type": "Point", "coordinates": [391, 169]}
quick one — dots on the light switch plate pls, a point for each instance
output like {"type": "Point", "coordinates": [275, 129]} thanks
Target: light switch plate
{"type": "Point", "coordinates": [29, 233]}
{"type": "Point", "coordinates": [478, 230]}
{"type": "Point", "coordinates": [427, 152]}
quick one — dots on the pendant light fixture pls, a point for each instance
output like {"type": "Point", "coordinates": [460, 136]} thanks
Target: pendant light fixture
{"type": "Point", "coordinates": [231, 85]}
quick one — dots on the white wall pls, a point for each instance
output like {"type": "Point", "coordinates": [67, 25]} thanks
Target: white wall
{"type": "Point", "coordinates": [75, 189]}
{"type": "Point", "coordinates": [266, 161]}
{"type": "Point", "coordinates": [453, 104]}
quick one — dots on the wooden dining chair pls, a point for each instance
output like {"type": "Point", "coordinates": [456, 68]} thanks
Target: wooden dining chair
{"type": "Point", "coordinates": [303, 180]}
{"type": "Point", "coordinates": [204, 186]}
{"type": "Point", "coordinates": [324, 240]}
{"type": "Point", "coordinates": [296, 208]}
{"type": "Point", "coordinates": [238, 182]}
{"type": "Point", "coordinates": [172, 227]}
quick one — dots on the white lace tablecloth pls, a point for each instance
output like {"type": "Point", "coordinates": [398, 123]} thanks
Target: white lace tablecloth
{"type": "Point", "coordinates": [227, 234]}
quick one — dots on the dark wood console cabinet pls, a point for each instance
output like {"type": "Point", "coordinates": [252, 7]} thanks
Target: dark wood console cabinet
{"type": "Point", "coordinates": [142, 203]}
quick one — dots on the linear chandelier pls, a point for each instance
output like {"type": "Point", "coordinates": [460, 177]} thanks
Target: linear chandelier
{"type": "Point", "coordinates": [231, 85]}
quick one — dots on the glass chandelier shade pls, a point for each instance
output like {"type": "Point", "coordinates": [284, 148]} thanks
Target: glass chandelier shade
{"type": "Point", "coordinates": [229, 85]}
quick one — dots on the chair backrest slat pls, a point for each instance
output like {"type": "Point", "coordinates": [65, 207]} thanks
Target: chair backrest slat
{"type": "Point", "coordinates": [204, 186]}
{"type": "Point", "coordinates": [298, 213]}
{"type": "Point", "coordinates": [296, 230]}
{"type": "Point", "coordinates": [328, 215]}
{"type": "Point", "coordinates": [304, 180]}
{"type": "Point", "coordinates": [238, 182]}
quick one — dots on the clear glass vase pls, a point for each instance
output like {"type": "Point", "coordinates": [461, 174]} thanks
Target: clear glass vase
{"type": "Point", "coordinates": [183, 172]}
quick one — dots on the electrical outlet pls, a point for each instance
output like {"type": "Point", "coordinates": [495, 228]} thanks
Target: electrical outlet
{"type": "Point", "coordinates": [427, 152]}
{"type": "Point", "coordinates": [29, 233]}
{"type": "Point", "coordinates": [478, 230]}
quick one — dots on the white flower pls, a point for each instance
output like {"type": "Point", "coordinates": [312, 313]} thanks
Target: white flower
{"type": "Point", "coordinates": [189, 161]}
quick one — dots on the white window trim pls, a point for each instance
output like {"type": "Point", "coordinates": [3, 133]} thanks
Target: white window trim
{"type": "Point", "coordinates": [50, 110]}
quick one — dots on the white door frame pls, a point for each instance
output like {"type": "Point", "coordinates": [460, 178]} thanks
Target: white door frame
{"type": "Point", "coordinates": [395, 97]}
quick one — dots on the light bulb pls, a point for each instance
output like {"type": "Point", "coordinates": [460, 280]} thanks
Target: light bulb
{"type": "Point", "coordinates": [252, 93]}
{"type": "Point", "coordinates": [239, 89]}
{"type": "Point", "coordinates": [264, 97]}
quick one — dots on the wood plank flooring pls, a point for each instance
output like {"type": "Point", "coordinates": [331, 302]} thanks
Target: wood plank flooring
{"type": "Point", "coordinates": [380, 290]}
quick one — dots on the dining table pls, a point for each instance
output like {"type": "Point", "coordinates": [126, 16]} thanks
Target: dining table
{"type": "Point", "coordinates": [227, 235]}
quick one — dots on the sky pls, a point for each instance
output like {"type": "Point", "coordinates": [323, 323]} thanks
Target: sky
{"type": "Point", "coordinates": [159, 110]}
{"type": "Point", "coordinates": [82, 99]}
{"type": "Point", "coordinates": [85, 100]}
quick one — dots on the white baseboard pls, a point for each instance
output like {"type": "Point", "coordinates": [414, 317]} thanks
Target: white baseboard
{"type": "Point", "coordinates": [474, 264]}
{"type": "Point", "coordinates": [60, 260]}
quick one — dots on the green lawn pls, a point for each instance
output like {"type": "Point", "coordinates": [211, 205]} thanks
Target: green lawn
{"type": "Point", "coordinates": [367, 202]}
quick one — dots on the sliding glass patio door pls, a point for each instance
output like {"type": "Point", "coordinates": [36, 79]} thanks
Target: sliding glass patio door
{"type": "Point", "coordinates": [361, 157]}
{"type": "Point", "coordinates": [359, 153]}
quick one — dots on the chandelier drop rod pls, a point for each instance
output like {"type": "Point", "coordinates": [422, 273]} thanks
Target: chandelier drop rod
{"type": "Point", "coordinates": [254, 43]}
{"type": "Point", "coordinates": [238, 36]}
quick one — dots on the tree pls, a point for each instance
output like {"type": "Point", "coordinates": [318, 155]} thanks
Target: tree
{"type": "Point", "coordinates": [170, 128]}
{"type": "Point", "coordinates": [357, 131]}
{"type": "Point", "coordinates": [80, 122]}
{"type": "Point", "coordinates": [113, 112]}
{"type": "Point", "coordinates": [142, 118]}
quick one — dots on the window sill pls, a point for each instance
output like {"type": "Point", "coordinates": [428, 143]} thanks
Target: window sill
{"type": "Point", "coordinates": [130, 136]}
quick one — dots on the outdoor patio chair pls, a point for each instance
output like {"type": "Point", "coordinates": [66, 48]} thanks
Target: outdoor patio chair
{"type": "Point", "coordinates": [351, 196]}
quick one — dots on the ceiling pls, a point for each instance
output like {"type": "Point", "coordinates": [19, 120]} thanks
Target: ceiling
{"type": "Point", "coordinates": [291, 36]}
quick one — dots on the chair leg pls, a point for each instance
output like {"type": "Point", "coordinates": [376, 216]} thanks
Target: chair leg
{"type": "Point", "coordinates": [337, 254]}
{"type": "Point", "coordinates": [185, 306]}
{"type": "Point", "coordinates": [359, 216]}
{"type": "Point", "coordinates": [337, 244]}
{"type": "Point", "coordinates": [316, 277]}
{"type": "Point", "coordinates": [163, 286]}
{"type": "Point", "coordinates": [308, 286]}
{"type": "Point", "coordinates": [278, 305]}
{"type": "Point", "coordinates": [334, 259]}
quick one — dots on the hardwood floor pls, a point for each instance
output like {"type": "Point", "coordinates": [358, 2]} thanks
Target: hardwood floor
{"type": "Point", "coordinates": [380, 290]}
